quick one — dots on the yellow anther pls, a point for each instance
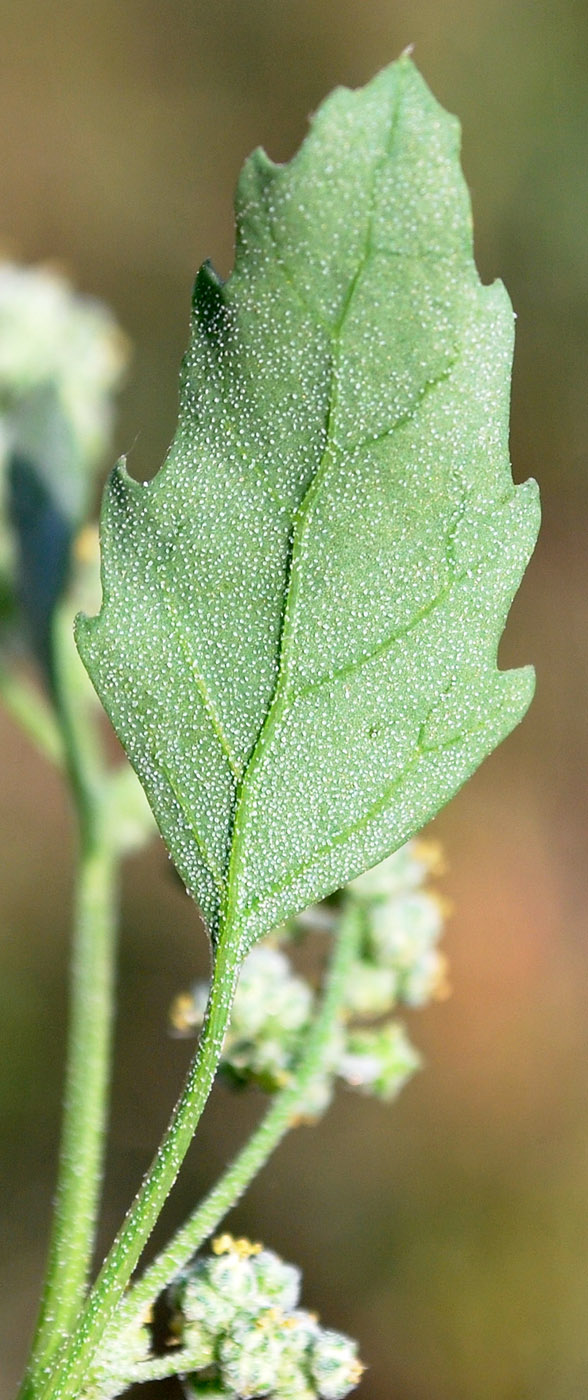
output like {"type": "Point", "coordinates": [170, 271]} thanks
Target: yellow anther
{"type": "Point", "coordinates": [87, 545]}
{"type": "Point", "coordinates": [432, 855]}
{"type": "Point", "coordinates": [223, 1244]}
{"type": "Point", "coordinates": [181, 1014]}
{"type": "Point", "coordinates": [245, 1249]}
{"type": "Point", "coordinates": [270, 1318]}
{"type": "Point", "coordinates": [226, 1244]}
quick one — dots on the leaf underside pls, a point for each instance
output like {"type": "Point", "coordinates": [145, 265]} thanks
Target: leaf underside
{"type": "Point", "coordinates": [301, 614]}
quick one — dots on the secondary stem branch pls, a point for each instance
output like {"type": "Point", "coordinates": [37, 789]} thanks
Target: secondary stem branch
{"type": "Point", "coordinates": [284, 1111]}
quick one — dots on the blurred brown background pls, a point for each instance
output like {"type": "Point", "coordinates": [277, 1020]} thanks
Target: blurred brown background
{"type": "Point", "coordinates": [449, 1232]}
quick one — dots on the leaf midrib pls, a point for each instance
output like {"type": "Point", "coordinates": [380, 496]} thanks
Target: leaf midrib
{"type": "Point", "coordinates": [240, 774]}
{"type": "Point", "coordinates": [279, 698]}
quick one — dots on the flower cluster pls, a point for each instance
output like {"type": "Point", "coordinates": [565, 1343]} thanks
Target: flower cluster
{"type": "Point", "coordinates": [403, 924]}
{"type": "Point", "coordinates": [399, 963]}
{"type": "Point", "coordinates": [241, 1332]}
{"type": "Point", "coordinates": [62, 358]}
{"type": "Point", "coordinates": [273, 1007]}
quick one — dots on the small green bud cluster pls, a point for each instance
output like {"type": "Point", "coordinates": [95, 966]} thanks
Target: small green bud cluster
{"type": "Point", "coordinates": [404, 922]}
{"type": "Point", "coordinates": [379, 1061]}
{"type": "Point", "coordinates": [399, 963]}
{"type": "Point", "coordinates": [123, 1360]}
{"type": "Point", "coordinates": [242, 1333]}
{"type": "Point", "coordinates": [272, 1008]}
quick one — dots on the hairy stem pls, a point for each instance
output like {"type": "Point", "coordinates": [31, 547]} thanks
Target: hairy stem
{"type": "Point", "coordinates": [73, 1361]}
{"type": "Point", "coordinates": [82, 1145]}
{"type": "Point", "coordinates": [72, 1238]}
{"type": "Point", "coordinates": [283, 1114]}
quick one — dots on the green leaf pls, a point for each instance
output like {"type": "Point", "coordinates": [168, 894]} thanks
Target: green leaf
{"type": "Point", "coordinates": [297, 643]}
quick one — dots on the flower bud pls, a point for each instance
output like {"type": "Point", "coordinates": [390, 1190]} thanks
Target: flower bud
{"type": "Point", "coordinates": [379, 1061]}
{"type": "Point", "coordinates": [370, 989]}
{"type": "Point", "coordinates": [425, 979]}
{"type": "Point", "coordinates": [316, 1099]}
{"type": "Point", "coordinates": [234, 1279]}
{"type": "Point", "coordinates": [201, 1304]}
{"type": "Point", "coordinates": [292, 1383]}
{"type": "Point", "coordinates": [249, 1355]}
{"type": "Point", "coordinates": [402, 871]}
{"type": "Point", "coordinates": [402, 929]}
{"type": "Point", "coordinates": [278, 1283]}
{"type": "Point", "coordinates": [198, 1346]}
{"type": "Point", "coordinates": [336, 1368]}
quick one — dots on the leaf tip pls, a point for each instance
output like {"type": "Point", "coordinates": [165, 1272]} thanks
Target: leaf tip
{"type": "Point", "coordinates": [530, 505]}
{"type": "Point", "coordinates": [518, 689]}
{"type": "Point", "coordinates": [207, 282]}
{"type": "Point", "coordinates": [82, 626]}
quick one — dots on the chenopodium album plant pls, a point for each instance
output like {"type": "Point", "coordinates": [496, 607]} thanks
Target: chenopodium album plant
{"type": "Point", "coordinates": [297, 648]}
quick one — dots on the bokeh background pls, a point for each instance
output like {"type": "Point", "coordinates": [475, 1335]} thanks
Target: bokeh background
{"type": "Point", "coordinates": [450, 1231]}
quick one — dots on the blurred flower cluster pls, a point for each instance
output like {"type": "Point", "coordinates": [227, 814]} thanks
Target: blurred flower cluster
{"type": "Point", "coordinates": [399, 963]}
{"type": "Point", "coordinates": [237, 1320]}
{"type": "Point", "coordinates": [62, 359]}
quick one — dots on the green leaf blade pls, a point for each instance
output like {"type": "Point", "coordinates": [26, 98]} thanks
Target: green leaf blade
{"type": "Point", "coordinates": [301, 614]}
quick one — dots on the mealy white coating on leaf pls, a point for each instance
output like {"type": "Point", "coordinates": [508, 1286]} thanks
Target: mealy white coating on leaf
{"type": "Point", "coordinates": [297, 644]}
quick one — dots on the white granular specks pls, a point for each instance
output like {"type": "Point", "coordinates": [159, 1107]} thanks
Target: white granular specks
{"type": "Point", "coordinates": [301, 613]}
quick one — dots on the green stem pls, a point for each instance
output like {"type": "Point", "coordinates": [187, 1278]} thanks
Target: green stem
{"type": "Point", "coordinates": [89, 1041]}
{"type": "Point", "coordinates": [285, 1110]}
{"type": "Point", "coordinates": [24, 705]}
{"type": "Point", "coordinates": [73, 1362]}
{"type": "Point", "coordinates": [82, 1145]}
{"type": "Point", "coordinates": [159, 1368]}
